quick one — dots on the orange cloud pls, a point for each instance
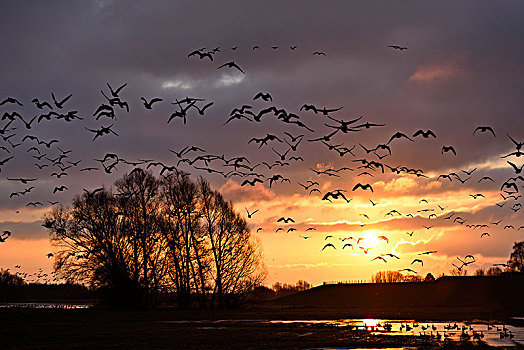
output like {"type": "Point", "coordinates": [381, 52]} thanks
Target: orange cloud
{"type": "Point", "coordinates": [232, 191]}
{"type": "Point", "coordinates": [440, 69]}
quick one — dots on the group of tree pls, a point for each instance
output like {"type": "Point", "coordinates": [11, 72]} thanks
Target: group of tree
{"type": "Point", "coordinates": [395, 277]}
{"type": "Point", "coordinates": [152, 237]}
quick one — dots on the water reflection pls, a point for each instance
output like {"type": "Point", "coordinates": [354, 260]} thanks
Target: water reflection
{"type": "Point", "coordinates": [491, 333]}
{"type": "Point", "coordinates": [45, 306]}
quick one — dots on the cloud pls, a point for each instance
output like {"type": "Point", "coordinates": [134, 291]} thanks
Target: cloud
{"type": "Point", "coordinates": [25, 230]}
{"type": "Point", "coordinates": [176, 84]}
{"type": "Point", "coordinates": [232, 191]}
{"type": "Point", "coordinates": [229, 79]}
{"type": "Point", "coordinates": [440, 69]}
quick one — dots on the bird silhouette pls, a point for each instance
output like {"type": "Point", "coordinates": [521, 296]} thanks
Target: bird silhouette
{"type": "Point", "coordinates": [149, 104]}
{"type": "Point", "coordinates": [59, 189]}
{"type": "Point", "coordinates": [41, 105]}
{"type": "Point", "coordinates": [484, 129]}
{"type": "Point", "coordinates": [60, 104]}
{"type": "Point", "coordinates": [417, 260]}
{"type": "Point", "coordinates": [379, 258]}
{"type": "Point", "coordinates": [424, 134]}
{"type": "Point", "coordinates": [250, 215]}
{"type": "Point", "coordinates": [397, 47]}
{"type": "Point", "coordinates": [201, 55]}
{"type": "Point", "coordinates": [518, 145]}
{"type": "Point", "coordinates": [231, 65]}
{"type": "Point", "coordinates": [364, 187]}
{"type": "Point", "coordinates": [399, 135]}
{"type": "Point", "coordinates": [266, 97]}
{"type": "Point", "coordinates": [517, 169]}
{"type": "Point", "coordinates": [285, 220]}
{"type": "Point", "coordinates": [11, 100]}
{"type": "Point", "coordinates": [115, 93]}
{"type": "Point", "coordinates": [329, 245]}
{"type": "Point", "coordinates": [448, 149]}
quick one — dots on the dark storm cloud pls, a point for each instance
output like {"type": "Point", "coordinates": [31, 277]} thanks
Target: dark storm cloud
{"type": "Point", "coordinates": [462, 69]}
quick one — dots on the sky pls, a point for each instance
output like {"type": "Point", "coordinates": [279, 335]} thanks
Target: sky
{"type": "Point", "coordinates": [462, 69]}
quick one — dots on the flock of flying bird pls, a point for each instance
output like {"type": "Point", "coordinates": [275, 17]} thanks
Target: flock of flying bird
{"type": "Point", "coordinates": [51, 161]}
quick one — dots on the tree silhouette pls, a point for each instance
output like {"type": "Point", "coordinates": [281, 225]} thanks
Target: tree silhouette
{"type": "Point", "coordinates": [429, 277]}
{"type": "Point", "coordinates": [516, 259]}
{"type": "Point", "coordinates": [153, 236]}
{"type": "Point", "coordinates": [387, 277]}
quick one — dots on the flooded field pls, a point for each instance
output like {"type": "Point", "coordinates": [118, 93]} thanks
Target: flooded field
{"type": "Point", "coordinates": [491, 333]}
{"type": "Point", "coordinates": [35, 325]}
{"type": "Point", "coordinates": [71, 306]}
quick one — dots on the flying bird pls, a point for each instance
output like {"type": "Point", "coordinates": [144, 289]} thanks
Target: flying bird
{"type": "Point", "coordinates": [517, 169]}
{"type": "Point", "coordinates": [59, 189]}
{"type": "Point", "coordinates": [231, 65]}
{"type": "Point", "coordinates": [149, 104]}
{"type": "Point", "coordinates": [329, 245]}
{"type": "Point", "coordinates": [285, 220]}
{"type": "Point", "coordinates": [266, 97]}
{"type": "Point", "coordinates": [448, 149]}
{"type": "Point", "coordinates": [379, 257]}
{"type": "Point", "coordinates": [364, 187]}
{"type": "Point", "coordinates": [484, 129]}
{"type": "Point", "coordinates": [417, 260]}
{"type": "Point", "coordinates": [60, 104]}
{"type": "Point", "coordinates": [424, 134]}
{"type": "Point", "coordinates": [397, 47]}
{"type": "Point", "coordinates": [399, 135]}
{"type": "Point", "coordinates": [249, 215]}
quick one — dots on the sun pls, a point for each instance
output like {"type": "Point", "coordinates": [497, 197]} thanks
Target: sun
{"type": "Point", "coordinates": [370, 240]}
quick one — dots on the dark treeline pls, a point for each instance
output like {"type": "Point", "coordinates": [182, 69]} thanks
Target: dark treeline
{"type": "Point", "coordinates": [153, 237]}
{"type": "Point", "coordinates": [13, 288]}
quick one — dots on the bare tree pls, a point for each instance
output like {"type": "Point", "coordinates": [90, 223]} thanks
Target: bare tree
{"type": "Point", "coordinates": [458, 272]}
{"type": "Point", "coordinates": [387, 277]}
{"type": "Point", "coordinates": [516, 259]}
{"type": "Point", "coordinates": [138, 202]}
{"type": "Point", "coordinates": [171, 235]}
{"type": "Point", "coordinates": [237, 259]}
